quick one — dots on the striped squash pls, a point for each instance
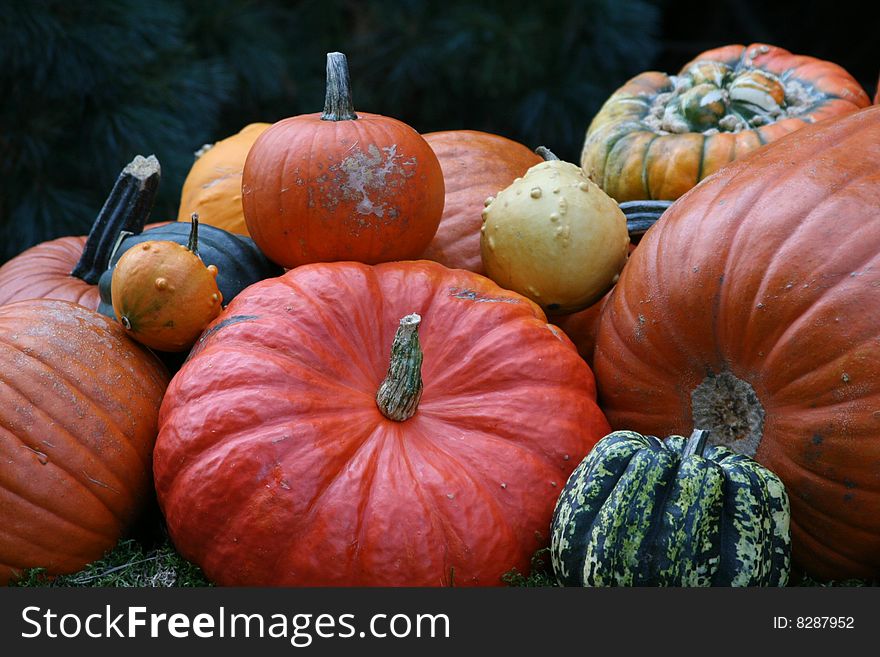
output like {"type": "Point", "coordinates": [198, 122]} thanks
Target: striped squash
{"type": "Point", "coordinates": [639, 511]}
{"type": "Point", "coordinates": [659, 135]}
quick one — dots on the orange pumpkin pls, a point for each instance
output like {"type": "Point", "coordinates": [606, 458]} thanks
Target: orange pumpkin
{"type": "Point", "coordinates": [212, 188]}
{"type": "Point", "coordinates": [751, 309]}
{"type": "Point", "coordinates": [340, 185]}
{"type": "Point", "coordinates": [314, 438]}
{"type": "Point", "coordinates": [659, 135]}
{"type": "Point", "coordinates": [79, 403]}
{"type": "Point", "coordinates": [476, 165]}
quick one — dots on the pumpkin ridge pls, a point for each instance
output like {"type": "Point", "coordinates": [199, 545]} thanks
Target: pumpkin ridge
{"type": "Point", "coordinates": [48, 548]}
{"type": "Point", "coordinates": [430, 502]}
{"type": "Point", "coordinates": [76, 476]}
{"type": "Point", "coordinates": [96, 409]}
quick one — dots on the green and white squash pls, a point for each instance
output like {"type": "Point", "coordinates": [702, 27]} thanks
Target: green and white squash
{"type": "Point", "coordinates": [639, 511]}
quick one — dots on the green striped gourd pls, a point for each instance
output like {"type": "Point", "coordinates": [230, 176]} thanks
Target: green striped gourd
{"type": "Point", "coordinates": [639, 511]}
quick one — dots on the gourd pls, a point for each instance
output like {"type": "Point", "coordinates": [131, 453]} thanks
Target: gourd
{"type": "Point", "coordinates": [212, 188]}
{"type": "Point", "coordinates": [69, 268]}
{"type": "Point", "coordinates": [639, 511]}
{"type": "Point", "coordinates": [659, 135]}
{"type": "Point", "coordinates": [341, 185]}
{"type": "Point", "coordinates": [78, 408]}
{"type": "Point", "coordinates": [554, 237]}
{"type": "Point", "coordinates": [164, 294]}
{"type": "Point", "coordinates": [238, 260]}
{"type": "Point", "coordinates": [397, 425]}
{"type": "Point", "coordinates": [751, 310]}
{"type": "Point", "coordinates": [475, 166]}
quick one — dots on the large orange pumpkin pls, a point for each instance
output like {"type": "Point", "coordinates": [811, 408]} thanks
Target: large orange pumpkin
{"type": "Point", "coordinates": [341, 185]}
{"type": "Point", "coordinates": [751, 309]}
{"type": "Point", "coordinates": [278, 461]}
{"type": "Point", "coordinates": [476, 165]}
{"type": "Point", "coordinates": [68, 268]}
{"type": "Point", "coordinates": [659, 135]}
{"type": "Point", "coordinates": [79, 403]}
{"type": "Point", "coordinates": [212, 188]}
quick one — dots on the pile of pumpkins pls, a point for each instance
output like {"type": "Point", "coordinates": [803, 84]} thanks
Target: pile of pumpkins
{"type": "Point", "coordinates": [368, 357]}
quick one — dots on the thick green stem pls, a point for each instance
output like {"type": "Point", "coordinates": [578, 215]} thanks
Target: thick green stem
{"type": "Point", "coordinates": [338, 105]}
{"type": "Point", "coordinates": [696, 443]}
{"type": "Point", "coordinates": [126, 209]}
{"type": "Point", "coordinates": [398, 396]}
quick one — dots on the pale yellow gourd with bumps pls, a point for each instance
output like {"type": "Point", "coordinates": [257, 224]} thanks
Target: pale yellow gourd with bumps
{"type": "Point", "coordinates": [555, 237]}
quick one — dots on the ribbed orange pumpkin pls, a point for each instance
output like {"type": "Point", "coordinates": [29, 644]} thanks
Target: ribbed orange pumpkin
{"type": "Point", "coordinates": [476, 165]}
{"type": "Point", "coordinates": [751, 309]}
{"type": "Point", "coordinates": [78, 408]}
{"type": "Point", "coordinates": [340, 185]}
{"type": "Point", "coordinates": [659, 135]}
{"type": "Point", "coordinates": [278, 461]}
{"type": "Point", "coordinates": [212, 188]}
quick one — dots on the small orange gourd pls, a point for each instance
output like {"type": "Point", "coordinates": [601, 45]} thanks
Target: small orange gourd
{"type": "Point", "coordinates": [164, 294]}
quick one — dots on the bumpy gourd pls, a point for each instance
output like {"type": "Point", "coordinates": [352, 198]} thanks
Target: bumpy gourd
{"type": "Point", "coordinates": [554, 237]}
{"type": "Point", "coordinates": [164, 294]}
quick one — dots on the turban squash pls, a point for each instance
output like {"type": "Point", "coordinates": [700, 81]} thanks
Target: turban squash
{"type": "Point", "coordinates": [79, 403]}
{"type": "Point", "coordinates": [751, 309]}
{"type": "Point", "coordinates": [275, 465]}
{"type": "Point", "coordinates": [659, 135]}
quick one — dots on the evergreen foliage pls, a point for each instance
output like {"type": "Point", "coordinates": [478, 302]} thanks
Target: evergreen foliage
{"type": "Point", "coordinates": [86, 86]}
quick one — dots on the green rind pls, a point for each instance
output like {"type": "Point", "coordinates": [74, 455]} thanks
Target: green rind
{"type": "Point", "coordinates": [634, 513]}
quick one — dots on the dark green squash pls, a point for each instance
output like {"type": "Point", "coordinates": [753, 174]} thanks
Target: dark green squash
{"type": "Point", "coordinates": [238, 259]}
{"type": "Point", "coordinates": [639, 511]}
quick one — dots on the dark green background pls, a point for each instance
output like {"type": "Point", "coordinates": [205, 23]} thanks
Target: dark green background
{"type": "Point", "coordinates": [88, 85]}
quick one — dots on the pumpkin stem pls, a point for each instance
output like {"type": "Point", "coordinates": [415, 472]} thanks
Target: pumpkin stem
{"type": "Point", "coordinates": [546, 153]}
{"type": "Point", "coordinates": [398, 396]}
{"type": "Point", "coordinates": [193, 243]}
{"type": "Point", "coordinates": [126, 208]}
{"type": "Point", "coordinates": [338, 105]}
{"type": "Point", "coordinates": [696, 443]}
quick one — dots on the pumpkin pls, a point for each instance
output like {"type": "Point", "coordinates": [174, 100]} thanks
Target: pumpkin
{"type": "Point", "coordinates": [212, 188]}
{"type": "Point", "coordinates": [302, 443]}
{"type": "Point", "coordinates": [238, 260]}
{"type": "Point", "coordinates": [581, 326]}
{"type": "Point", "coordinates": [164, 294]}
{"type": "Point", "coordinates": [78, 408]}
{"type": "Point", "coordinates": [554, 237]}
{"type": "Point", "coordinates": [751, 310]}
{"type": "Point", "coordinates": [340, 185]}
{"type": "Point", "coordinates": [639, 511]}
{"type": "Point", "coordinates": [475, 166]}
{"type": "Point", "coordinates": [659, 135]}
{"type": "Point", "coordinates": [68, 268]}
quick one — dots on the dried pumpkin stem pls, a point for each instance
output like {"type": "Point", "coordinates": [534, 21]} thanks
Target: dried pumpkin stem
{"type": "Point", "coordinates": [338, 105]}
{"type": "Point", "coordinates": [126, 209]}
{"type": "Point", "coordinates": [192, 243]}
{"type": "Point", "coordinates": [398, 396]}
{"type": "Point", "coordinates": [546, 153]}
{"type": "Point", "coordinates": [696, 443]}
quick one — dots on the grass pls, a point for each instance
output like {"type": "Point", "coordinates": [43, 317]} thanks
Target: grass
{"type": "Point", "coordinates": [129, 564]}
